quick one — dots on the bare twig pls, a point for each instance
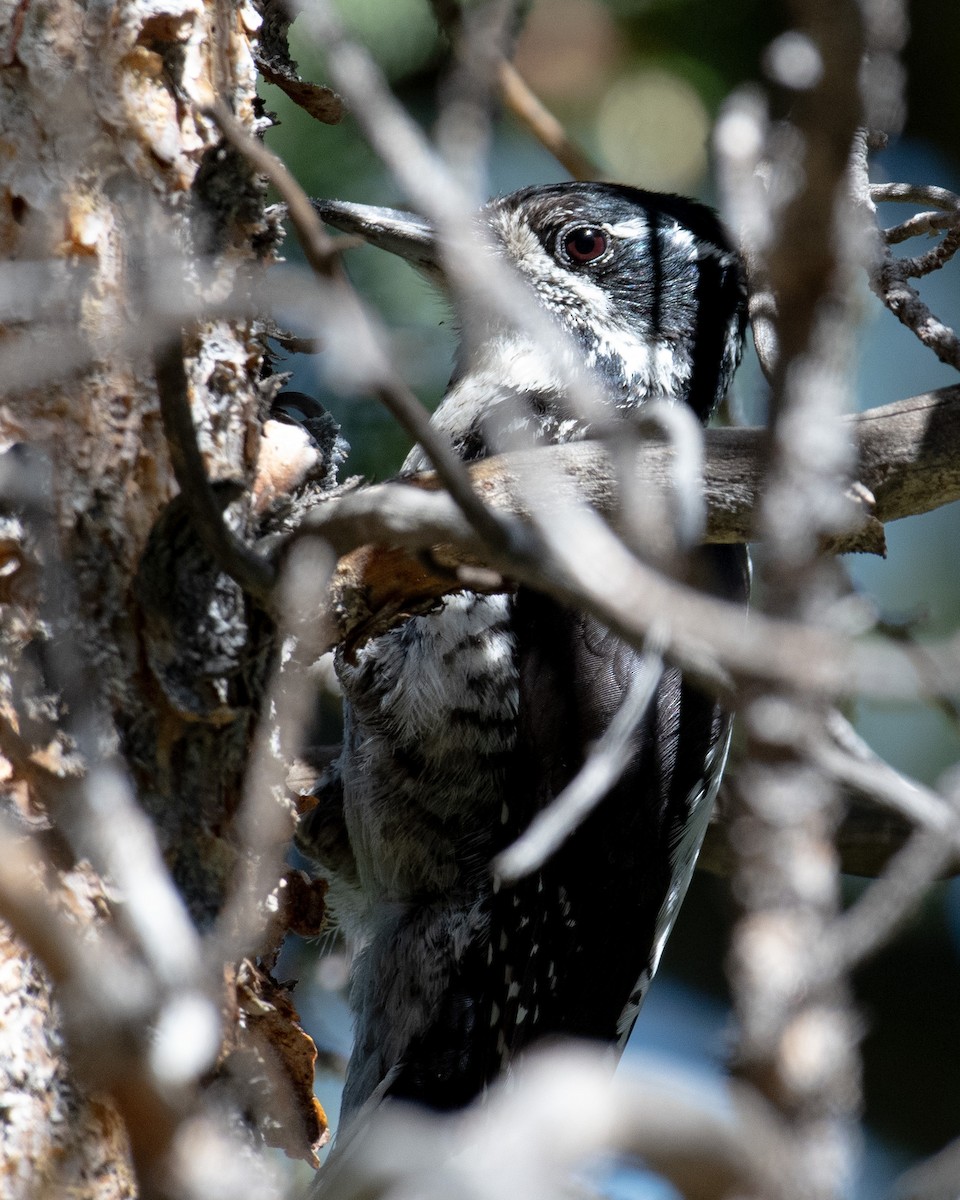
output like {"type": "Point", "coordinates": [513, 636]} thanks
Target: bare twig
{"type": "Point", "coordinates": [914, 193]}
{"type": "Point", "coordinates": [480, 36]}
{"type": "Point", "coordinates": [740, 136]}
{"type": "Point", "coordinates": [852, 761]}
{"type": "Point", "coordinates": [540, 121]}
{"type": "Point", "coordinates": [888, 903]}
{"type": "Point", "coordinates": [602, 768]}
{"type": "Point", "coordinates": [917, 225]}
{"type": "Point", "coordinates": [482, 283]}
{"type": "Point", "coordinates": [524, 104]}
{"type": "Point", "coordinates": [321, 251]}
{"type": "Point", "coordinates": [889, 278]}
{"type": "Point", "coordinates": [908, 455]}
{"type": "Point", "coordinates": [933, 1179]}
{"type": "Point", "coordinates": [934, 846]}
{"type": "Point", "coordinates": [866, 838]}
{"type": "Point", "coordinates": [521, 1141]}
{"type": "Point", "coordinates": [905, 304]}
{"type": "Point", "coordinates": [266, 820]}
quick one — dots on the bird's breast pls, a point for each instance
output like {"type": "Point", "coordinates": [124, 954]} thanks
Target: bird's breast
{"type": "Point", "coordinates": [431, 725]}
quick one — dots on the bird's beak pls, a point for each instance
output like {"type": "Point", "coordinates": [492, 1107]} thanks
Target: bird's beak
{"type": "Point", "coordinates": [402, 233]}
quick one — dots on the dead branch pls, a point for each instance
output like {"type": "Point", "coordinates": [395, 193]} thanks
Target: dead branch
{"type": "Point", "coordinates": [908, 462]}
{"type": "Point", "coordinates": [521, 1140]}
{"type": "Point", "coordinates": [322, 253]}
{"type": "Point", "coordinates": [890, 276]}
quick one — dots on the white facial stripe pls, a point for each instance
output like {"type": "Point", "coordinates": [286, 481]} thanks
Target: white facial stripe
{"type": "Point", "coordinates": [686, 241]}
{"type": "Point", "coordinates": [636, 227]}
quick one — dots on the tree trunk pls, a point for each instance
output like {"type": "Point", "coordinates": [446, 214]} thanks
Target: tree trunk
{"type": "Point", "coordinates": [110, 176]}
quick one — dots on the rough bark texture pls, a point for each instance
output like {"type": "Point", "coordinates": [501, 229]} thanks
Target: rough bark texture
{"type": "Point", "coordinates": [104, 163]}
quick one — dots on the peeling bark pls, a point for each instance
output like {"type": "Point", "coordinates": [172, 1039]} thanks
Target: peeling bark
{"type": "Point", "coordinates": [108, 174]}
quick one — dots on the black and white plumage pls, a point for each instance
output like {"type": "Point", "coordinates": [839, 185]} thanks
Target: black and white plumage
{"type": "Point", "coordinates": [463, 723]}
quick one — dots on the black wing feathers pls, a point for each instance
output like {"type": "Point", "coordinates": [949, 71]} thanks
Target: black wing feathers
{"type": "Point", "coordinates": [568, 943]}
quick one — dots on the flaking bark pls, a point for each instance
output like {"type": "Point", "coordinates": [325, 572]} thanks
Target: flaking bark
{"type": "Point", "coordinates": [108, 175]}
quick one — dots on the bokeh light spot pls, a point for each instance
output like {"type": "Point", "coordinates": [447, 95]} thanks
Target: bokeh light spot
{"type": "Point", "coordinates": [568, 50]}
{"type": "Point", "coordinates": [652, 129]}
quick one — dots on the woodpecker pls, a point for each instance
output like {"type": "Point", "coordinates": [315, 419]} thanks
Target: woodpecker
{"type": "Point", "coordinates": [461, 724]}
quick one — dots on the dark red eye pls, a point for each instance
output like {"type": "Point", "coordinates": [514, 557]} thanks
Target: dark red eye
{"type": "Point", "coordinates": [585, 245]}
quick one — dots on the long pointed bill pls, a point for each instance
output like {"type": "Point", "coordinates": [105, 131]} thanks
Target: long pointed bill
{"type": "Point", "coordinates": [402, 233]}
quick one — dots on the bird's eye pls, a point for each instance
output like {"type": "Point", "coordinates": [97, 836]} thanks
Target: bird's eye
{"type": "Point", "coordinates": [585, 245]}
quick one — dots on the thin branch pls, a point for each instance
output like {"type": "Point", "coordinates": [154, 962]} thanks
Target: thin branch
{"type": "Point", "coordinates": [602, 768]}
{"type": "Point", "coordinates": [890, 275]}
{"type": "Point", "coordinates": [888, 903]}
{"type": "Point", "coordinates": [480, 37]}
{"type": "Point", "coordinates": [933, 1179]}
{"type": "Point", "coordinates": [587, 566]}
{"type": "Point", "coordinates": [915, 193]}
{"type": "Point", "coordinates": [932, 260]}
{"type": "Point", "coordinates": [482, 283]}
{"type": "Point", "coordinates": [852, 762]}
{"type": "Point", "coordinates": [866, 839]}
{"type": "Point", "coordinates": [521, 1142]}
{"type": "Point", "coordinates": [784, 864]}
{"type": "Point", "coordinates": [918, 225]}
{"type": "Point", "coordinates": [909, 463]}
{"type": "Point", "coordinates": [740, 135]}
{"type": "Point", "coordinates": [265, 822]}
{"type": "Point", "coordinates": [321, 251]}
{"type": "Point", "coordinates": [520, 99]}
{"type": "Point", "coordinates": [531, 112]}
{"type": "Point", "coordinates": [933, 848]}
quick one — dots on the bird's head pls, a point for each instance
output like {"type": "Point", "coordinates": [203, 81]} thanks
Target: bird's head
{"type": "Point", "coordinates": [647, 285]}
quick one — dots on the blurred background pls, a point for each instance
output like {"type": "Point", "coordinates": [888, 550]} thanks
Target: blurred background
{"type": "Point", "coordinates": [639, 83]}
